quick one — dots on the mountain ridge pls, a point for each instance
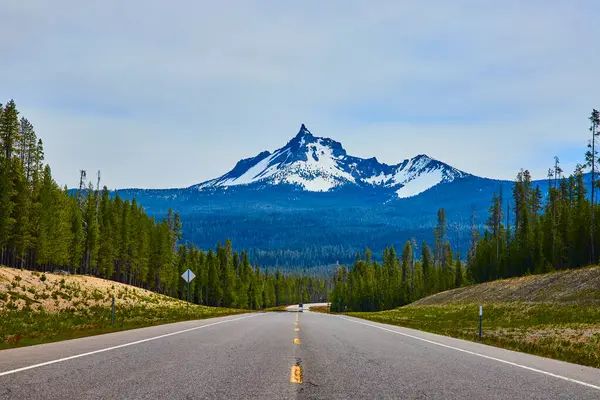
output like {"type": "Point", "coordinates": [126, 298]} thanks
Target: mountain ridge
{"type": "Point", "coordinates": [320, 164]}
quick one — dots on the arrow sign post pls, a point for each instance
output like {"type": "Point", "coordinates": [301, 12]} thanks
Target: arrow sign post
{"type": "Point", "coordinates": [188, 276]}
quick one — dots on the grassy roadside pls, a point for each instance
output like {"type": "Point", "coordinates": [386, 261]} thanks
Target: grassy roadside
{"type": "Point", "coordinates": [569, 332]}
{"type": "Point", "coordinates": [554, 315]}
{"type": "Point", "coordinates": [24, 328]}
{"type": "Point", "coordinates": [40, 308]}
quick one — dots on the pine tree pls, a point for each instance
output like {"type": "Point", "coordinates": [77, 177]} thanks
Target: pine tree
{"type": "Point", "coordinates": [76, 247]}
{"type": "Point", "coordinates": [407, 257]}
{"type": "Point", "coordinates": [63, 236]}
{"type": "Point", "coordinates": [440, 234]}
{"type": "Point", "coordinates": [105, 249]}
{"type": "Point", "coordinates": [9, 130]}
{"type": "Point", "coordinates": [458, 270]}
{"type": "Point", "coordinates": [225, 256]}
{"type": "Point", "coordinates": [215, 291]}
{"type": "Point", "coordinates": [472, 247]}
{"type": "Point", "coordinates": [448, 270]}
{"type": "Point", "coordinates": [90, 225]}
{"type": "Point", "coordinates": [592, 158]}
{"type": "Point", "coordinates": [125, 242]}
{"type": "Point", "coordinates": [494, 222]}
{"type": "Point", "coordinates": [581, 216]}
{"type": "Point", "coordinates": [39, 157]}
{"type": "Point", "coordinates": [29, 148]}
{"type": "Point", "coordinates": [135, 238]}
{"type": "Point", "coordinates": [9, 137]}
{"type": "Point", "coordinates": [418, 283]}
{"type": "Point", "coordinates": [20, 239]}
{"type": "Point", "coordinates": [145, 226]}
{"type": "Point", "coordinates": [429, 285]}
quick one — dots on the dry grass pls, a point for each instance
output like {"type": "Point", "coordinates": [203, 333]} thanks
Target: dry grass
{"type": "Point", "coordinates": [321, 309]}
{"type": "Point", "coordinates": [581, 286]}
{"type": "Point", "coordinates": [38, 308]}
{"type": "Point", "coordinates": [56, 293]}
{"type": "Point", "coordinates": [276, 308]}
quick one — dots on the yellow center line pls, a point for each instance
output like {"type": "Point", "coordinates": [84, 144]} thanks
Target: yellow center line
{"type": "Point", "coordinates": [296, 340]}
{"type": "Point", "coordinates": [296, 374]}
{"type": "Point", "coordinates": [297, 329]}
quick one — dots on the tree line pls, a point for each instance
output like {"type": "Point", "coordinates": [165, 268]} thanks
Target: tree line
{"type": "Point", "coordinates": [398, 280]}
{"type": "Point", "coordinates": [550, 231]}
{"type": "Point", "coordinates": [43, 227]}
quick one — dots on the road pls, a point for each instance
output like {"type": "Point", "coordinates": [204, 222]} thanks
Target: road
{"type": "Point", "coordinates": [285, 355]}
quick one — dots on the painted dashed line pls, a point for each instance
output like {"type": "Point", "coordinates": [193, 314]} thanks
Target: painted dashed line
{"type": "Point", "coordinates": [296, 374]}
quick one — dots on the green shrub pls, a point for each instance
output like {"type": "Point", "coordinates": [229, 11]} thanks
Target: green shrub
{"type": "Point", "coordinates": [65, 296]}
{"type": "Point", "coordinates": [43, 278]}
{"type": "Point", "coordinates": [42, 296]}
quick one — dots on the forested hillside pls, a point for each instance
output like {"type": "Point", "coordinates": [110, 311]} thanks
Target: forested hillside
{"type": "Point", "coordinates": [43, 227]}
{"type": "Point", "coordinates": [306, 229]}
{"type": "Point", "coordinates": [550, 231]}
{"type": "Point", "coordinates": [399, 280]}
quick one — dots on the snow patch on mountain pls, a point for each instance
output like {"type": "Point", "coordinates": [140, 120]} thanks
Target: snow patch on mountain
{"type": "Point", "coordinates": [378, 179]}
{"type": "Point", "coordinates": [260, 170]}
{"type": "Point", "coordinates": [420, 184]}
{"type": "Point", "coordinates": [318, 184]}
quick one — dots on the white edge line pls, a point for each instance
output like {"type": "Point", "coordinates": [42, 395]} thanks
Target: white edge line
{"type": "Point", "coordinates": [14, 371]}
{"type": "Point", "coordinates": [477, 354]}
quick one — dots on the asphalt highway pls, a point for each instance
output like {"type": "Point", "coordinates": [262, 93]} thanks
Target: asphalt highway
{"type": "Point", "coordinates": [285, 355]}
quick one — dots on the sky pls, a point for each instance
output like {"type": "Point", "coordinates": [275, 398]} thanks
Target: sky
{"type": "Point", "coordinates": [160, 94]}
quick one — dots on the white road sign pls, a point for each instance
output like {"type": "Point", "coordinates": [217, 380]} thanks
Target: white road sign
{"type": "Point", "coordinates": [188, 276]}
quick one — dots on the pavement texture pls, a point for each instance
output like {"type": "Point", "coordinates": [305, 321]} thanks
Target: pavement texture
{"type": "Point", "coordinates": [285, 355]}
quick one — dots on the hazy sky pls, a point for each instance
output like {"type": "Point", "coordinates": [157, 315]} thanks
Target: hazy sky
{"type": "Point", "coordinates": [171, 93]}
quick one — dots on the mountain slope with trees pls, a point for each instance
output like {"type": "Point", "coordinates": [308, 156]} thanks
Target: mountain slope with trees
{"type": "Point", "coordinates": [366, 204]}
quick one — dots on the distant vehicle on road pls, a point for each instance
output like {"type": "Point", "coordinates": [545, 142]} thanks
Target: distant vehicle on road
{"type": "Point", "coordinates": [300, 307]}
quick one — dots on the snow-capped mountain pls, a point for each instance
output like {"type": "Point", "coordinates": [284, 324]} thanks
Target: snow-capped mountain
{"type": "Point", "coordinates": [318, 164]}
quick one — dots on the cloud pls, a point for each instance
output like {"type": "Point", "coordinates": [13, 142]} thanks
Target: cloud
{"type": "Point", "coordinates": [162, 94]}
